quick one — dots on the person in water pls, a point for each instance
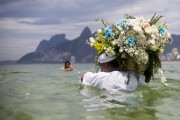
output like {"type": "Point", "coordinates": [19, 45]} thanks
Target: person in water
{"type": "Point", "coordinates": [67, 66]}
{"type": "Point", "coordinates": [111, 78]}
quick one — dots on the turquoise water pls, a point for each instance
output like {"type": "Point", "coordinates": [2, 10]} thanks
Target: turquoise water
{"type": "Point", "coordinates": [43, 92]}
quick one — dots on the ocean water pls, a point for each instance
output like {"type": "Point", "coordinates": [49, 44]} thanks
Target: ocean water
{"type": "Point", "coordinates": [43, 92]}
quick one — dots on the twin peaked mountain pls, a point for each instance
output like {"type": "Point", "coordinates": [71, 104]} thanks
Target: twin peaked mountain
{"type": "Point", "coordinates": [58, 49]}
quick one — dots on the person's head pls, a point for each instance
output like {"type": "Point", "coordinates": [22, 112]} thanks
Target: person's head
{"type": "Point", "coordinates": [67, 64]}
{"type": "Point", "coordinates": [108, 64]}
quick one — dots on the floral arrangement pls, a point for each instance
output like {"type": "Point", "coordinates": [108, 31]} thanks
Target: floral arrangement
{"type": "Point", "coordinates": [135, 41]}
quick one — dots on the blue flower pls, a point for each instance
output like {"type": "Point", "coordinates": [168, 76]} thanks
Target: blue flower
{"type": "Point", "coordinates": [130, 41]}
{"type": "Point", "coordinates": [108, 32]}
{"type": "Point", "coordinates": [161, 30]}
{"type": "Point", "coordinates": [121, 23]}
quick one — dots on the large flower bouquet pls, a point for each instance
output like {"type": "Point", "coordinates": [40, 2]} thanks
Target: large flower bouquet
{"type": "Point", "coordinates": [135, 42]}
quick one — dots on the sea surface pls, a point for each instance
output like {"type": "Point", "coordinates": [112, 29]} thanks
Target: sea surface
{"type": "Point", "coordinates": [44, 92]}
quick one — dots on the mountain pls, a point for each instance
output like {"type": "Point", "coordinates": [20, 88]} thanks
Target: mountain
{"type": "Point", "coordinates": [78, 46]}
{"type": "Point", "coordinates": [58, 49]}
{"type": "Point", "coordinates": [54, 40]}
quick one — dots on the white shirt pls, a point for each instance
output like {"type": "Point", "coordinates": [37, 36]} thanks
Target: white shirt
{"type": "Point", "coordinates": [113, 81]}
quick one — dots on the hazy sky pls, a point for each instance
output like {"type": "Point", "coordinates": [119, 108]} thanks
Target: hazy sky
{"type": "Point", "coordinates": [24, 23]}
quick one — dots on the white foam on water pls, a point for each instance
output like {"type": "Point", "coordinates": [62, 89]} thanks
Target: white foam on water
{"type": "Point", "coordinates": [28, 93]}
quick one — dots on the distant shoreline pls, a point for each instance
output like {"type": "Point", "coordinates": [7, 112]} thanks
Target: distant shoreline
{"type": "Point", "coordinates": [170, 62]}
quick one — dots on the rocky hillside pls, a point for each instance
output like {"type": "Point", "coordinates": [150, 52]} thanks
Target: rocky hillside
{"type": "Point", "coordinates": [58, 49]}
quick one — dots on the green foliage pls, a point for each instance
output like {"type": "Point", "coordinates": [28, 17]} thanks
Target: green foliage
{"type": "Point", "coordinates": [104, 22]}
{"type": "Point", "coordinates": [155, 18]}
{"type": "Point", "coordinates": [129, 16]}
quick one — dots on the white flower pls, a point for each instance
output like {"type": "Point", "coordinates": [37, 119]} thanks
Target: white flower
{"type": "Point", "coordinates": [133, 22]}
{"type": "Point", "coordinates": [136, 52]}
{"type": "Point", "coordinates": [126, 49]}
{"type": "Point", "coordinates": [153, 36]}
{"type": "Point", "coordinates": [161, 50]}
{"type": "Point", "coordinates": [168, 35]}
{"type": "Point", "coordinates": [141, 56]}
{"type": "Point", "coordinates": [141, 19]}
{"type": "Point", "coordinates": [118, 27]}
{"type": "Point", "coordinates": [138, 29]}
{"type": "Point", "coordinates": [151, 29]}
{"type": "Point", "coordinates": [92, 40]}
{"type": "Point", "coordinates": [161, 77]}
{"type": "Point", "coordinates": [99, 31]}
{"type": "Point", "coordinates": [152, 41]}
{"type": "Point", "coordinates": [153, 48]}
{"type": "Point", "coordinates": [115, 42]}
{"type": "Point", "coordinates": [130, 51]}
{"type": "Point", "coordinates": [160, 72]}
{"type": "Point", "coordinates": [110, 52]}
{"type": "Point", "coordinates": [121, 50]}
{"type": "Point", "coordinates": [122, 32]}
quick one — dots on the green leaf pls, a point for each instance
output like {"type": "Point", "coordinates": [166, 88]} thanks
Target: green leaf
{"type": "Point", "coordinates": [104, 22]}
{"type": "Point", "coordinates": [129, 16]}
{"type": "Point", "coordinates": [155, 19]}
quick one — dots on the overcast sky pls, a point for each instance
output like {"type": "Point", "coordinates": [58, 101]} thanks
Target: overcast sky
{"type": "Point", "coordinates": [24, 23]}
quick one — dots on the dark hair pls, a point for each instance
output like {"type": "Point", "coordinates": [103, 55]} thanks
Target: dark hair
{"type": "Point", "coordinates": [67, 61]}
{"type": "Point", "coordinates": [114, 63]}
{"type": "Point", "coordinates": [121, 64]}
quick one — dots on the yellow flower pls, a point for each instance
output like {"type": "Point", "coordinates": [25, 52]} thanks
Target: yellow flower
{"type": "Point", "coordinates": [98, 46]}
{"type": "Point", "coordinates": [161, 50]}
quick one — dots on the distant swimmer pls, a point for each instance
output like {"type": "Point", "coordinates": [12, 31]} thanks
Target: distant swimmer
{"type": "Point", "coordinates": [67, 66]}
